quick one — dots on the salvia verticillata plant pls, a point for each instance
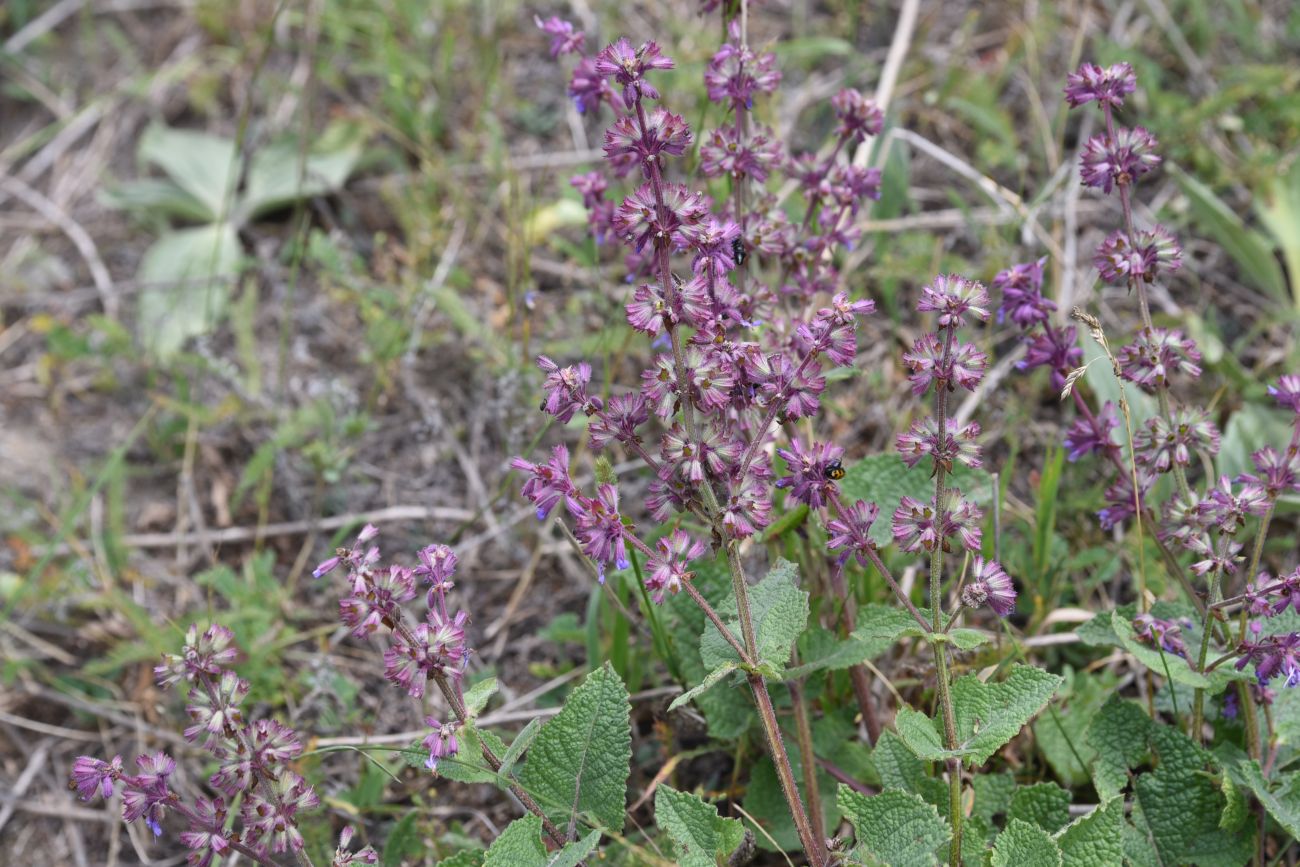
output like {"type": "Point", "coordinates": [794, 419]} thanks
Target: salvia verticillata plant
{"type": "Point", "coordinates": [733, 246]}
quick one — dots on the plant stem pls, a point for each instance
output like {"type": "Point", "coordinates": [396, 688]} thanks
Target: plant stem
{"type": "Point", "coordinates": [813, 845]}
{"type": "Point", "coordinates": [458, 708]}
{"type": "Point", "coordinates": [803, 732]}
{"type": "Point", "coordinates": [1198, 698]}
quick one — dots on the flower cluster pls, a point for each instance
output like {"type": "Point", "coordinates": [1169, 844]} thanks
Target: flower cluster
{"type": "Point", "coordinates": [723, 287]}
{"type": "Point", "coordinates": [417, 651]}
{"type": "Point", "coordinates": [252, 759]}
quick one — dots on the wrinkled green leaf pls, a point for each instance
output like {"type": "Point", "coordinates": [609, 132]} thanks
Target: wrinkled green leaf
{"type": "Point", "coordinates": [779, 610]}
{"type": "Point", "coordinates": [1046, 805]}
{"type": "Point", "coordinates": [710, 680]}
{"type": "Point", "coordinates": [520, 845]}
{"type": "Point", "coordinates": [1118, 737]}
{"type": "Point", "coordinates": [988, 715]}
{"type": "Point", "coordinates": [1280, 798]}
{"type": "Point", "coordinates": [1094, 840]}
{"type": "Point", "coordinates": [478, 695]}
{"type": "Point", "coordinates": [894, 827]}
{"type": "Point", "coordinates": [580, 760]}
{"type": "Point", "coordinates": [700, 836]}
{"type": "Point", "coordinates": [1060, 731]}
{"type": "Point", "coordinates": [1025, 845]}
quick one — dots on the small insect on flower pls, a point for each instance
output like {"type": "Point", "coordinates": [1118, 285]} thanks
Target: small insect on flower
{"type": "Point", "coordinates": [835, 471]}
{"type": "Point", "coordinates": [738, 251]}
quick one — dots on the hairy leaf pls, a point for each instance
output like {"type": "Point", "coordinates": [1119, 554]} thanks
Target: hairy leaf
{"type": "Point", "coordinates": [988, 715]}
{"type": "Point", "coordinates": [1046, 805]}
{"type": "Point", "coordinates": [520, 845]}
{"type": "Point", "coordinates": [711, 679]}
{"type": "Point", "coordinates": [1118, 736]}
{"type": "Point", "coordinates": [1094, 840]}
{"type": "Point", "coordinates": [894, 827]}
{"type": "Point", "coordinates": [779, 610]}
{"type": "Point", "coordinates": [579, 762]}
{"type": "Point", "coordinates": [1025, 845]}
{"type": "Point", "coordinates": [699, 834]}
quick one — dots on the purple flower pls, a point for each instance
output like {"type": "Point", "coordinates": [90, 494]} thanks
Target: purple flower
{"type": "Point", "coordinates": [550, 483]}
{"type": "Point", "coordinates": [1288, 594]}
{"type": "Point", "coordinates": [619, 420]}
{"type": "Point", "coordinates": [712, 454]}
{"type": "Point", "coordinates": [1119, 498]}
{"type": "Point", "coordinates": [1276, 472]}
{"type": "Point", "coordinates": [1227, 510]}
{"type": "Point", "coordinates": [1287, 392]}
{"type": "Point", "coordinates": [1165, 634]}
{"type": "Point", "coordinates": [713, 241]}
{"type": "Point", "coordinates": [344, 858]}
{"type": "Point", "coordinates": [147, 795]}
{"type": "Point", "coordinates": [962, 364]}
{"type": "Point", "coordinates": [667, 569]}
{"type": "Point", "coordinates": [747, 510]}
{"type": "Point", "coordinates": [214, 713]}
{"type": "Point", "coordinates": [922, 440]}
{"type": "Point", "coordinates": [1091, 434]}
{"type": "Point", "coordinates": [1223, 558]}
{"type": "Point", "coordinates": [564, 38]}
{"type": "Point", "coordinates": [1107, 86]}
{"type": "Point", "coordinates": [954, 299]}
{"type": "Point", "coordinates": [1153, 251]}
{"type": "Point", "coordinates": [990, 585]}
{"type": "Point", "coordinates": [207, 836]}
{"type": "Point", "coordinates": [1155, 354]}
{"type": "Point", "coordinates": [441, 742]}
{"type": "Point", "coordinates": [1022, 297]}
{"type": "Point", "coordinates": [813, 471]}
{"type": "Point", "coordinates": [588, 87]}
{"type": "Point", "coordinates": [859, 116]}
{"type": "Point", "coordinates": [629, 67]}
{"type": "Point", "coordinates": [202, 654]}
{"type": "Point", "coordinates": [1162, 444]}
{"type": "Point", "coordinates": [722, 153]}
{"type": "Point", "coordinates": [600, 531]}
{"type": "Point", "coordinates": [736, 73]}
{"type": "Point", "coordinates": [664, 133]}
{"type": "Point", "coordinates": [274, 818]}
{"type": "Point", "coordinates": [1106, 162]}
{"type": "Point", "coordinates": [851, 531]}
{"type": "Point", "coordinates": [917, 525]}
{"type": "Point", "coordinates": [91, 776]}
{"type": "Point", "coordinates": [1273, 655]}
{"type": "Point", "coordinates": [566, 389]}
{"type": "Point", "coordinates": [638, 219]}
{"type": "Point", "coordinates": [437, 565]}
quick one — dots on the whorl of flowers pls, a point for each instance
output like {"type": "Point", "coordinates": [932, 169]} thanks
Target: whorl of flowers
{"type": "Point", "coordinates": [252, 765]}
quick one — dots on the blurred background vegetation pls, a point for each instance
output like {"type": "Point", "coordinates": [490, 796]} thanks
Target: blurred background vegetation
{"type": "Point", "coordinates": [269, 270]}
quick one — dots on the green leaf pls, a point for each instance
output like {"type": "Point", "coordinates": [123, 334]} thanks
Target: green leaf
{"type": "Point", "coordinates": [520, 845]}
{"type": "Point", "coordinates": [1025, 845]}
{"type": "Point", "coordinates": [993, 794]}
{"type": "Point", "coordinates": [281, 174]}
{"type": "Point", "coordinates": [464, 858]}
{"type": "Point", "coordinates": [1279, 211]}
{"type": "Point", "coordinates": [573, 853]}
{"type": "Point", "coordinates": [1046, 805]}
{"type": "Point", "coordinates": [1236, 810]}
{"type": "Point", "coordinates": [1094, 840]}
{"type": "Point", "coordinates": [1060, 732]}
{"type": "Point", "coordinates": [1281, 800]}
{"type": "Point", "coordinates": [202, 165]}
{"type": "Point", "coordinates": [186, 276]}
{"type": "Point", "coordinates": [885, 480]}
{"type": "Point", "coordinates": [779, 610]}
{"type": "Point", "coordinates": [1118, 737]}
{"type": "Point", "coordinates": [988, 715]}
{"type": "Point", "coordinates": [700, 836]}
{"type": "Point", "coordinates": [710, 680]}
{"type": "Point", "coordinates": [156, 196]}
{"type": "Point", "coordinates": [729, 712]}
{"type": "Point", "coordinates": [1182, 805]}
{"type": "Point", "coordinates": [522, 741]}
{"type": "Point", "coordinates": [879, 628]}
{"type": "Point", "coordinates": [1157, 660]}
{"type": "Point", "coordinates": [894, 827]}
{"type": "Point", "coordinates": [403, 841]}
{"type": "Point", "coordinates": [1248, 248]}
{"type": "Point", "coordinates": [477, 696]}
{"type": "Point", "coordinates": [579, 763]}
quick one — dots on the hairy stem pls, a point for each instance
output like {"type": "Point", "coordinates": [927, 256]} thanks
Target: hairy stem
{"type": "Point", "coordinates": [808, 760]}
{"type": "Point", "coordinates": [1198, 698]}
